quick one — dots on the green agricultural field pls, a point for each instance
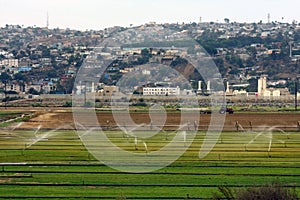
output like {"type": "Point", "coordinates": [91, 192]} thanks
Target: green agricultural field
{"type": "Point", "coordinates": [55, 164]}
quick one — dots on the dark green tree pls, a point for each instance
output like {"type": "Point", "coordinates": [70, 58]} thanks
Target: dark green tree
{"type": "Point", "coordinates": [226, 20]}
{"type": "Point", "coordinates": [253, 85]}
{"type": "Point", "coordinates": [5, 77]}
{"type": "Point", "coordinates": [20, 77]}
{"type": "Point", "coordinates": [33, 91]}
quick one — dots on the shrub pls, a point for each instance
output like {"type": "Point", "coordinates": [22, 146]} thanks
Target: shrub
{"type": "Point", "coordinates": [36, 105]}
{"type": "Point", "coordinates": [268, 192]}
{"type": "Point", "coordinates": [68, 104]}
{"type": "Point", "coordinates": [89, 104]}
{"type": "Point", "coordinates": [141, 104]}
{"type": "Point", "coordinates": [274, 191]}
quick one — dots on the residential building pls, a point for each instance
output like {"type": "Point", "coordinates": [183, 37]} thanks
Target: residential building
{"type": "Point", "coordinates": [9, 63]}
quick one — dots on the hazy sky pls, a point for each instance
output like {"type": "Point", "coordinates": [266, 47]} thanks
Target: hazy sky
{"type": "Point", "coordinates": [99, 14]}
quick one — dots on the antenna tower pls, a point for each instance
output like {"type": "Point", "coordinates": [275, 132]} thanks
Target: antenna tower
{"type": "Point", "coordinates": [47, 23]}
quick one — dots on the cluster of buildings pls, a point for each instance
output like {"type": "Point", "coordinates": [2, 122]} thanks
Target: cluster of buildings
{"type": "Point", "coordinates": [262, 90]}
{"type": "Point", "coordinates": [42, 59]}
{"type": "Point", "coordinates": [46, 60]}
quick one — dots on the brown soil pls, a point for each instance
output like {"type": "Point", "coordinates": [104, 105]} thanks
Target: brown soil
{"type": "Point", "coordinates": [8, 180]}
{"type": "Point", "coordinates": [64, 120]}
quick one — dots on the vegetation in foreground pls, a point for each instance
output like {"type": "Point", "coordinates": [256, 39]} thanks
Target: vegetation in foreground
{"type": "Point", "coordinates": [60, 167]}
{"type": "Point", "coordinates": [266, 192]}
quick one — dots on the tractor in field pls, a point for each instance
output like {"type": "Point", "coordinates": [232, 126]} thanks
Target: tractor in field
{"type": "Point", "coordinates": [225, 109]}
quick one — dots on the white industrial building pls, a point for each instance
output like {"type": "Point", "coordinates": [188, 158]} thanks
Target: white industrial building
{"type": "Point", "coordinates": [262, 86]}
{"type": "Point", "coordinates": [161, 91]}
{"type": "Point", "coordinates": [262, 89]}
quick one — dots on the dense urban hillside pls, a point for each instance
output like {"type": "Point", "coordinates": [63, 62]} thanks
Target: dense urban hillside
{"type": "Point", "coordinates": [41, 60]}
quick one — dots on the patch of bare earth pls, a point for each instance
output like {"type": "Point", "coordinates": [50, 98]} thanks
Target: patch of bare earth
{"type": "Point", "coordinates": [64, 120]}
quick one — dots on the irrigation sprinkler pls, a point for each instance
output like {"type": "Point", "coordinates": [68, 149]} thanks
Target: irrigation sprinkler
{"type": "Point", "coordinates": [107, 124]}
{"type": "Point", "coordinates": [270, 145]}
{"type": "Point", "coordinates": [252, 134]}
{"type": "Point", "coordinates": [250, 124]}
{"type": "Point", "coordinates": [146, 147]}
{"type": "Point", "coordinates": [237, 125]}
{"type": "Point", "coordinates": [184, 137]}
{"type": "Point", "coordinates": [17, 126]}
{"type": "Point", "coordinates": [135, 143]}
{"type": "Point", "coordinates": [195, 125]}
{"type": "Point", "coordinates": [41, 137]}
{"type": "Point", "coordinates": [267, 133]}
{"type": "Point", "coordinates": [37, 130]}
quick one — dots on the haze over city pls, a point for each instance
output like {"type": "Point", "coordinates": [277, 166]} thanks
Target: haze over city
{"type": "Point", "coordinates": [94, 14]}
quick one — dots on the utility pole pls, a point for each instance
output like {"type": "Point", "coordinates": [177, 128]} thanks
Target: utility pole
{"type": "Point", "coordinates": [291, 50]}
{"type": "Point", "coordinates": [85, 93]}
{"type": "Point", "coordinates": [5, 100]}
{"type": "Point", "coordinates": [296, 93]}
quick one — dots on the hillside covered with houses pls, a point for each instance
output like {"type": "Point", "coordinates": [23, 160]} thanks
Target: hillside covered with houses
{"type": "Point", "coordinates": [35, 60]}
